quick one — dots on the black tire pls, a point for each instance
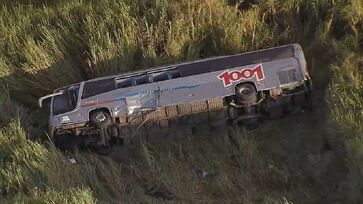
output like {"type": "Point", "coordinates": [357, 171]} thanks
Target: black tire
{"type": "Point", "coordinates": [102, 149]}
{"type": "Point", "coordinates": [100, 118]}
{"type": "Point", "coordinates": [252, 124]}
{"type": "Point", "coordinates": [247, 123]}
{"type": "Point", "coordinates": [309, 102]}
{"type": "Point", "coordinates": [232, 112]}
{"type": "Point", "coordinates": [246, 93]}
{"type": "Point", "coordinates": [59, 142]}
{"type": "Point", "coordinates": [275, 112]}
{"type": "Point", "coordinates": [66, 142]}
{"type": "Point", "coordinates": [310, 105]}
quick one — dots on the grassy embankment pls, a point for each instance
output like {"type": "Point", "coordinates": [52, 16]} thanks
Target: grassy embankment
{"type": "Point", "coordinates": [318, 158]}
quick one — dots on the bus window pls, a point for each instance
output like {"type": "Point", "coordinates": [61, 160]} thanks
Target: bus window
{"type": "Point", "coordinates": [67, 101]}
{"type": "Point", "coordinates": [123, 83]}
{"type": "Point", "coordinates": [73, 96]}
{"type": "Point", "coordinates": [141, 80]}
{"type": "Point", "coordinates": [174, 74]}
{"type": "Point", "coordinates": [93, 88]}
{"type": "Point", "coordinates": [160, 76]}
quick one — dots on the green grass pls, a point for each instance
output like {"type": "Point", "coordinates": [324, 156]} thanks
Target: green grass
{"type": "Point", "coordinates": [317, 158]}
{"type": "Point", "coordinates": [30, 172]}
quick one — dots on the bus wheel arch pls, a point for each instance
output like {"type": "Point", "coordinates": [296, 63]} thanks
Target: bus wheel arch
{"type": "Point", "coordinates": [100, 117]}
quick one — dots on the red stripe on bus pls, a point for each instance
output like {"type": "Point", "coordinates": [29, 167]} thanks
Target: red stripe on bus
{"type": "Point", "coordinates": [99, 103]}
{"type": "Point", "coordinates": [88, 105]}
{"type": "Point", "coordinates": [104, 102]}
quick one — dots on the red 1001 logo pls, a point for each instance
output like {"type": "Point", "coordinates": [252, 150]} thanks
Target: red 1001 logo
{"type": "Point", "coordinates": [229, 77]}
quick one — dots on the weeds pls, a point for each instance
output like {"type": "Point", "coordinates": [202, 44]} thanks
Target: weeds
{"type": "Point", "coordinates": [346, 105]}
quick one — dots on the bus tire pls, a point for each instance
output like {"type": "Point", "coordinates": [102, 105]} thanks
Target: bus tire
{"type": "Point", "coordinates": [252, 124]}
{"type": "Point", "coordinates": [102, 150]}
{"type": "Point", "coordinates": [100, 118]}
{"type": "Point", "coordinates": [275, 112]}
{"type": "Point", "coordinates": [59, 142]}
{"type": "Point", "coordinates": [232, 112]}
{"type": "Point", "coordinates": [66, 142]}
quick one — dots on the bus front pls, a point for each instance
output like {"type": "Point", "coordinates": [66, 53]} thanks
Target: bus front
{"type": "Point", "coordinates": [64, 105]}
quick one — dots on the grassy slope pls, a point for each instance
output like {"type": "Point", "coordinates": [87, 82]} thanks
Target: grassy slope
{"type": "Point", "coordinates": [311, 158]}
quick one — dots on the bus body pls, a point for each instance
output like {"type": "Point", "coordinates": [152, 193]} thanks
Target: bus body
{"type": "Point", "coordinates": [244, 87]}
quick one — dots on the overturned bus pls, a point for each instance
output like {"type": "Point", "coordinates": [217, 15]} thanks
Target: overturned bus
{"type": "Point", "coordinates": [241, 89]}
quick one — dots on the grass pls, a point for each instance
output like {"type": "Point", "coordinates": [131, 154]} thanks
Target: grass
{"type": "Point", "coordinates": [46, 44]}
{"type": "Point", "coordinates": [346, 108]}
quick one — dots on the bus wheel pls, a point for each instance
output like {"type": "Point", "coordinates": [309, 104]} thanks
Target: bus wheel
{"type": "Point", "coordinates": [251, 124]}
{"type": "Point", "coordinates": [100, 118]}
{"type": "Point", "coordinates": [246, 93]}
{"type": "Point", "coordinates": [102, 149]}
{"type": "Point", "coordinates": [67, 142]}
{"type": "Point", "coordinates": [60, 142]}
{"type": "Point", "coordinates": [232, 112]}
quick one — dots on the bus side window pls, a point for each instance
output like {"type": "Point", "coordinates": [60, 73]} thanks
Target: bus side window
{"type": "Point", "coordinates": [93, 88]}
{"type": "Point", "coordinates": [160, 77]}
{"type": "Point", "coordinates": [174, 74]}
{"type": "Point", "coordinates": [123, 83]}
{"type": "Point", "coordinates": [141, 80]}
{"type": "Point", "coordinates": [73, 96]}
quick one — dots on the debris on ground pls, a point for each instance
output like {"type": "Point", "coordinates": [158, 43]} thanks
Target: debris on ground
{"type": "Point", "coordinates": [160, 191]}
{"type": "Point", "coordinates": [204, 175]}
{"type": "Point", "coordinates": [73, 161]}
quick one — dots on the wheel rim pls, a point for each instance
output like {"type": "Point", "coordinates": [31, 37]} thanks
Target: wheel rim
{"type": "Point", "coordinates": [100, 117]}
{"type": "Point", "coordinates": [245, 91]}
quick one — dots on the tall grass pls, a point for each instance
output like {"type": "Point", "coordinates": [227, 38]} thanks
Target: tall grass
{"type": "Point", "coordinates": [8, 110]}
{"type": "Point", "coordinates": [52, 46]}
{"type": "Point", "coordinates": [346, 106]}
{"type": "Point", "coordinates": [32, 172]}
{"type": "Point", "coordinates": [26, 170]}
{"type": "Point", "coordinates": [44, 47]}
{"type": "Point", "coordinates": [227, 168]}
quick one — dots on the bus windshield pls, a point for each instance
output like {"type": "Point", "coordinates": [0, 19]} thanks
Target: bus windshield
{"type": "Point", "coordinates": [67, 101]}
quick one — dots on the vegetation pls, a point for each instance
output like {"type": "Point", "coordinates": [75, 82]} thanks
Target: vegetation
{"type": "Point", "coordinates": [48, 44]}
